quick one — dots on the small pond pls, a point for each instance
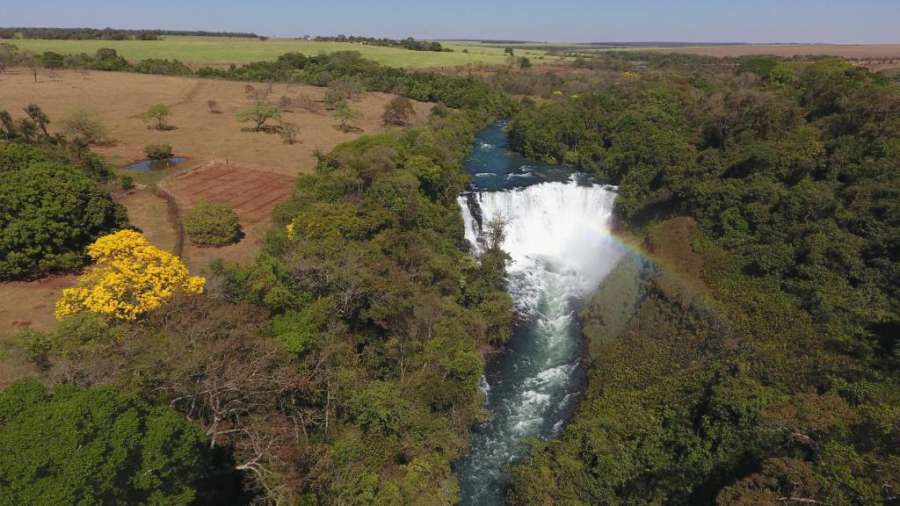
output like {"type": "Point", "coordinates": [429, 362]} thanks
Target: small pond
{"type": "Point", "coordinates": [148, 165]}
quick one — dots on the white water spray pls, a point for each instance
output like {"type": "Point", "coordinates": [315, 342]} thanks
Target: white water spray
{"type": "Point", "coordinates": [558, 237]}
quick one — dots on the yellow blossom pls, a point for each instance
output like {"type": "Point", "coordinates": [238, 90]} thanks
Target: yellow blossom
{"type": "Point", "coordinates": [290, 231]}
{"type": "Point", "coordinates": [129, 277]}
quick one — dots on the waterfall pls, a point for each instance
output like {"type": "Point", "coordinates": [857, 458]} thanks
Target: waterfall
{"type": "Point", "coordinates": [558, 237]}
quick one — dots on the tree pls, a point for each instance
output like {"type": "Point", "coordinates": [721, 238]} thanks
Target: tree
{"type": "Point", "coordinates": [39, 117]}
{"type": "Point", "coordinates": [7, 126]}
{"type": "Point", "coordinates": [84, 125]}
{"type": "Point", "coordinates": [288, 132]}
{"type": "Point", "coordinates": [32, 62]}
{"type": "Point", "coordinates": [157, 115]}
{"type": "Point", "coordinates": [108, 59]}
{"type": "Point", "coordinates": [343, 89]}
{"type": "Point", "coordinates": [398, 112]}
{"type": "Point", "coordinates": [259, 114]}
{"type": "Point", "coordinates": [211, 224]}
{"type": "Point", "coordinates": [91, 446]}
{"type": "Point", "coordinates": [345, 113]}
{"type": "Point", "coordinates": [49, 213]}
{"type": "Point", "coordinates": [129, 277]}
{"type": "Point", "coordinates": [52, 60]}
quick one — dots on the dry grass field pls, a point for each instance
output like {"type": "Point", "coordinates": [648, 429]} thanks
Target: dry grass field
{"type": "Point", "coordinates": [120, 99]}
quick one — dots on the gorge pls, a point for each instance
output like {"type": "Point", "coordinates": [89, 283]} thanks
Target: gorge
{"type": "Point", "coordinates": [556, 231]}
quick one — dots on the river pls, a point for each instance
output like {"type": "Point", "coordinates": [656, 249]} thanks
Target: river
{"type": "Point", "coordinates": [557, 223]}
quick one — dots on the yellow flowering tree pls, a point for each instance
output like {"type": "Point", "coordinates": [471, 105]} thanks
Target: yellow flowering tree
{"type": "Point", "coordinates": [129, 277]}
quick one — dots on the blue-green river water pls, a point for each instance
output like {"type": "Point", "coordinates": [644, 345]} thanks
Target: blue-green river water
{"type": "Point", "coordinates": [557, 224]}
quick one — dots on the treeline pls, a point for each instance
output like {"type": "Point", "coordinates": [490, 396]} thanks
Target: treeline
{"type": "Point", "coordinates": [407, 43]}
{"type": "Point", "coordinates": [321, 70]}
{"type": "Point", "coordinates": [768, 372]}
{"type": "Point", "coordinates": [105, 59]}
{"type": "Point", "coordinates": [107, 33]}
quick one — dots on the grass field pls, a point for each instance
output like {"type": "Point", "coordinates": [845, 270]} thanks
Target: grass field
{"type": "Point", "coordinates": [220, 51]}
{"type": "Point", "coordinates": [119, 99]}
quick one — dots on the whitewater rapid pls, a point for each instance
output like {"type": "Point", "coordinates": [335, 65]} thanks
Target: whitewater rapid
{"type": "Point", "coordinates": [558, 236]}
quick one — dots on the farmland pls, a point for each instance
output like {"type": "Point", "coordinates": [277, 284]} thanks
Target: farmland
{"type": "Point", "coordinates": [198, 51]}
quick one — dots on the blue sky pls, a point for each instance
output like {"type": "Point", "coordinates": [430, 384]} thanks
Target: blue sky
{"type": "Point", "coordinates": [839, 21]}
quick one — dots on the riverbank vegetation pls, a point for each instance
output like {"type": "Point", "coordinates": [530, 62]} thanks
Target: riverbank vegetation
{"type": "Point", "coordinates": [771, 376]}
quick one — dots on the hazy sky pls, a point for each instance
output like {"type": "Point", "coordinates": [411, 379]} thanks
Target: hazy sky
{"type": "Point", "coordinates": [843, 21]}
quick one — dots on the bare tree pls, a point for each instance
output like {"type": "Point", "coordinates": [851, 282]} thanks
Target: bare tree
{"type": "Point", "coordinates": [288, 132]}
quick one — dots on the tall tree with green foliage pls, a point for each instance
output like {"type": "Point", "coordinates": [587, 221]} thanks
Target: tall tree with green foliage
{"type": "Point", "coordinates": [95, 446]}
{"type": "Point", "coordinates": [258, 114]}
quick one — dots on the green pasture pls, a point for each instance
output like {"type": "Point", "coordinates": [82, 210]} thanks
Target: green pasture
{"type": "Point", "coordinates": [223, 50]}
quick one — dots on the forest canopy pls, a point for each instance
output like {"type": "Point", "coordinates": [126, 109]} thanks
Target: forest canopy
{"type": "Point", "coordinates": [777, 186]}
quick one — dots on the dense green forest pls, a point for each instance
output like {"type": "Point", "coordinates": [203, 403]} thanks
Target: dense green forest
{"type": "Point", "coordinates": [768, 371]}
{"type": "Point", "coordinates": [754, 362]}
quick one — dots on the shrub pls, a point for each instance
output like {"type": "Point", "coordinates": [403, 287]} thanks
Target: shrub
{"type": "Point", "coordinates": [158, 151]}
{"type": "Point", "coordinates": [129, 277]}
{"type": "Point", "coordinates": [126, 182]}
{"type": "Point", "coordinates": [78, 446]}
{"type": "Point", "coordinates": [288, 132]}
{"type": "Point", "coordinates": [210, 224]}
{"type": "Point", "coordinates": [52, 60]}
{"type": "Point", "coordinates": [345, 113]}
{"type": "Point", "coordinates": [157, 116]}
{"type": "Point", "coordinates": [49, 213]}
{"type": "Point", "coordinates": [109, 60]}
{"type": "Point", "coordinates": [162, 67]}
{"type": "Point", "coordinates": [84, 125]}
{"type": "Point", "coordinates": [398, 112]}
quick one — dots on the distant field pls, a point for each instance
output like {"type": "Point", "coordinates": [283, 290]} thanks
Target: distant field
{"type": "Point", "coordinates": [850, 51]}
{"type": "Point", "coordinates": [863, 51]}
{"type": "Point", "coordinates": [218, 51]}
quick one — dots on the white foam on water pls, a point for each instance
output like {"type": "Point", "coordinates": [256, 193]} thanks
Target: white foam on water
{"type": "Point", "coordinates": [558, 236]}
